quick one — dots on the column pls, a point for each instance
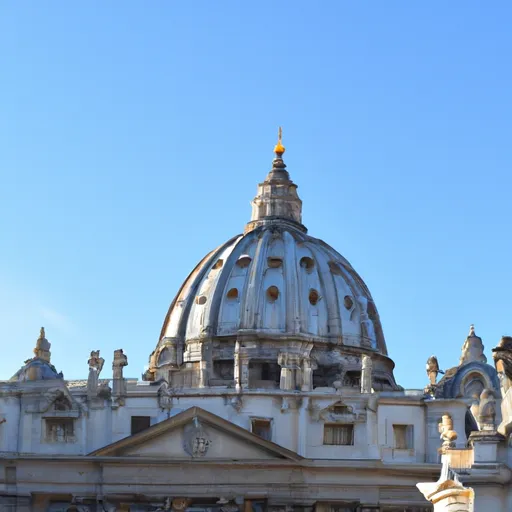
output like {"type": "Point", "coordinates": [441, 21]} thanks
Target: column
{"type": "Point", "coordinates": [366, 374]}
{"type": "Point", "coordinates": [244, 371]}
{"type": "Point", "coordinates": [307, 375]}
{"type": "Point", "coordinates": [236, 366]}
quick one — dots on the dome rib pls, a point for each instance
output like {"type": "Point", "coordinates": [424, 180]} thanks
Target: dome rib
{"type": "Point", "coordinates": [221, 289]}
{"type": "Point", "coordinates": [193, 281]}
{"type": "Point", "coordinates": [291, 280]}
{"type": "Point", "coordinates": [331, 296]}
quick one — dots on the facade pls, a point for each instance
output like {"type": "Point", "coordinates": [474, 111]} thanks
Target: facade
{"type": "Point", "coordinates": [270, 389]}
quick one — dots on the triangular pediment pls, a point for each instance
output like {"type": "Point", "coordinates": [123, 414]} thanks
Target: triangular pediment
{"type": "Point", "coordinates": [196, 434]}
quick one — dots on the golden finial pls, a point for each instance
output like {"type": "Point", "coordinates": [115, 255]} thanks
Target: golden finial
{"type": "Point", "coordinates": [42, 334]}
{"type": "Point", "coordinates": [279, 149]}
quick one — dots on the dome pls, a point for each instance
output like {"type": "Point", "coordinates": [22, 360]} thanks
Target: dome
{"type": "Point", "coordinates": [276, 280]}
{"type": "Point", "coordinates": [273, 289]}
{"type": "Point", "coordinates": [36, 369]}
{"type": "Point", "coordinates": [39, 367]}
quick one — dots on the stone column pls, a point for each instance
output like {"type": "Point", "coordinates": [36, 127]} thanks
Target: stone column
{"type": "Point", "coordinates": [448, 494]}
{"type": "Point", "coordinates": [307, 375]}
{"type": "Point", "coordinates": [205, 364]}
{"type": "Point", "coordinates": [286, 381]}
{"type": "Point", "coordinates": [366, 374]}
{"type": "Point", "coordinates": [289, 367]}
{"type": "Point", "coordinates": [236, 367]}
{"type": "Point", "coordinates": [372, 427]}
{"type": "Point", "coordinates": [203, 374]}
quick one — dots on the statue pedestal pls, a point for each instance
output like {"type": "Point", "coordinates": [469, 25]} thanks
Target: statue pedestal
{"type": "Point", "coordinates": [485, 446]}
{"type": "Point", "coordinates": [448, 494]}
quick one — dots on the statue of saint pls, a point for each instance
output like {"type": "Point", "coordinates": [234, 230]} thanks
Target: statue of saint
{"type": "Point", "coordinates": [433, 370]}
{"type": "Point", "coordinates": [502, 356]}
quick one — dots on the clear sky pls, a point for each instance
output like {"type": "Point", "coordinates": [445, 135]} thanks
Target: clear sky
{"type": "Point", "coordinates": [133, 134]}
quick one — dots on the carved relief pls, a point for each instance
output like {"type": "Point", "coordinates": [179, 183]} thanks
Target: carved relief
{"type": "Point", "coordinates": [237, 403]}
{"type": "Point", "coordinates": [196, 441]}
{"type": "Point", "coordinates": [165, 397]}
{"type": "Point", "coordinates": [338, 413]}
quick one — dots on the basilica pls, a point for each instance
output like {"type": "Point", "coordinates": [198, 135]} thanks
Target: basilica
{"type": "Point", "coordinates": [269, 389]}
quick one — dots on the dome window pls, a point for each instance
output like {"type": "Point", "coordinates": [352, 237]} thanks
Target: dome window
{"type": "Point", "coordinates": [348, 302]}
{"type": "Point", "coordinates": [218, 264]}
{"type": "Point", "coordinates": [272, 293]}
{"type": "Point", "coordinates": [335, 269]}
{"type": "Point", "coordinates": [232, 294]}
{"type": "Point", "coordinates": [243, 261]}
{"type": "Point", "coordinates": [307, 263]}
{"type": "Point", "coordinates": [313, 297]}
{"type": "Point", "coordinates": [275, 261]}
{"type": "Point", "coordinates": [201, 300]}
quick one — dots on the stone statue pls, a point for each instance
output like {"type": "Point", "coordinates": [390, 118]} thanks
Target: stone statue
{"type": "Point", "coordinates": [473, 349]}
{"type": "Point", "coordinates": [42, 349]}
{"type": "Point", "coordinates": [502, 356]}
{"type": "Point", "coordinates": [96, 362]}
{"type": "Point", "coordinates": [487, 410]}
{"type": "Point", "coordinates": [120, 361]}
{"type": "Point", "coordinates": [95, 366]}
{"type": "Point", "coordinates": [432, 370]}
{"type": "Point", "coordinates": [448, 435]}
{"type": "Point", "coordinates": [119, 383]}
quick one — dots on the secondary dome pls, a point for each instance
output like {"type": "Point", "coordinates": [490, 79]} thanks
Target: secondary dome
{"type": "Point", "coordinates": [273, 286]}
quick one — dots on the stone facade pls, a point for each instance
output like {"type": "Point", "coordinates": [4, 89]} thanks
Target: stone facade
{"type": "Point", "coordinates": [270, 389]}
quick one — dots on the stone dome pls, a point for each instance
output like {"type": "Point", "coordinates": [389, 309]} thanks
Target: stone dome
{"type": "Point", "coordinates": [276, 280]}
{"type": "Point", "coordinates": [39, 367]}
{"type": "Point", "coordinates": [276, 284]}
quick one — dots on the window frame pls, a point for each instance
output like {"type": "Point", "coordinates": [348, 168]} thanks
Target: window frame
{"type": "Point", "coordinates": [408, 436]}
{"type": "Point", "coordinates": [267, 421]}
{"type": "Point", "coordinates": [338, 426]}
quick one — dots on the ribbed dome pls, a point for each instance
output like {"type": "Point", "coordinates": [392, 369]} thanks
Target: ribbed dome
{"type": "Point", "coordinates": [272, 307]}
{"type": "Point", "coordinates": [276, 280]}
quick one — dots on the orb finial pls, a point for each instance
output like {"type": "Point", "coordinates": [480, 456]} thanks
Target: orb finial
{"type": "Point", "coordinates": [279, 149]}
{"type": "Point", "coordinates": [472, 330]}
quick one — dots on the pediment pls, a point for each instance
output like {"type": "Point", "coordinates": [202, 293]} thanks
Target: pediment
{"type": "Point", "coordinates": [198, 435]}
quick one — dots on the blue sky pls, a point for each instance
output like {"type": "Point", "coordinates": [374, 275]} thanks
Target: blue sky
{"type": "Point", "coordinates": [133, 134]}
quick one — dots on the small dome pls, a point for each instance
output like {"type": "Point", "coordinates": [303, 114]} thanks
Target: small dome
{"type": "Point", "coordinates": [36, 369]}
{"type": "Point", "coordinates": [39, 367]}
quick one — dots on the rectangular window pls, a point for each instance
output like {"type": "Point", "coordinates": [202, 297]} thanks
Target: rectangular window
{"type": "Point", "coordinates": [60, 430]}
{"type": "Point", "coordinates": [404, 437]}
{"type": "Point", "coordinates": [262, 428]}
{"type": "Point", "coordinates": [140, 423]}
{"type": "Point", "coordinates": [339, 434]}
